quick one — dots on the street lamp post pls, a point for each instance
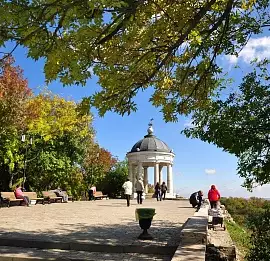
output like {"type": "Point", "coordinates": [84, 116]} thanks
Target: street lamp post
{"type": "Point", "coordinates": [25, 155]}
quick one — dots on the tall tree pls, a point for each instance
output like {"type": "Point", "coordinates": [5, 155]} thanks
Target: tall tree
{"type": "Point", "coordinates": [96, 164]}
{"type": "Point", "coordinates": [240, 125]}
{"type": "Point", "coordinates": [14, 95]}
{"type": "Point", "coordinates": [61, 132]}
{"type": "Point", "coordinates": [112, 183]}
{"type": "Point", "coordinates": [132, 45]}
{"type": "Point", "coordinates": [14, 92]}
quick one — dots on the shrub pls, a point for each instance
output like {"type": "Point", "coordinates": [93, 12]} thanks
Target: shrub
{"type": "Point", "coordinates": [259, 223]}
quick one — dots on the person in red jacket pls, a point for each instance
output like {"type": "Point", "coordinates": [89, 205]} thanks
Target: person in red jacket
{"type": "Point", "coordinates": [213, 196]}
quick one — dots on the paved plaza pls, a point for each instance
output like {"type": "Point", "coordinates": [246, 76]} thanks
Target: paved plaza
{"type": "Point", "coordinates": [106, 223]}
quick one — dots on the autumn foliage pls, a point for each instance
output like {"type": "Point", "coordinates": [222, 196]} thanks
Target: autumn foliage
{"type": "Point", "coordinates": [14, 92]}
{"type": "Point", "coordinates": [62, 151]}
{"type": "Point", "coordinates": [106, 159]}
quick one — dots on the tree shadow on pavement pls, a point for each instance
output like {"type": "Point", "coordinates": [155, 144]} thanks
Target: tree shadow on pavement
{"type": "Point", "coordinates": [116, 238]}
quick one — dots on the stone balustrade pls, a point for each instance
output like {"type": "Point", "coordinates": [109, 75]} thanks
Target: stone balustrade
{"type": "Point", "coordinates": [193, 237]}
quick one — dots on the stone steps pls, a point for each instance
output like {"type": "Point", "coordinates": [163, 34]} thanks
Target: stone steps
{"type": "Point", "coordinates": [87, 247]}
{"type": "Point", "coordinates": [30, 254]}
{"type": "Point", "coordinates": [192, 252]}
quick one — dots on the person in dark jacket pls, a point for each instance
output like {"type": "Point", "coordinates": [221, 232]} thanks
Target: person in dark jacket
{"type": "Point", "coordinates": [158, 191]}
{"type": "Point", "coordinates": [163, 190]}
{"type": "Point", "coordinates": [196, 199]}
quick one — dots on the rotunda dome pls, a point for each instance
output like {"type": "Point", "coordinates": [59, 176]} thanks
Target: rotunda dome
{"type": "Point", "coordinates": [150, 143]}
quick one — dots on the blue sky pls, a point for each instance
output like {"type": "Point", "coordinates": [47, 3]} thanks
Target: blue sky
{"type": "Point", "coordinates": [197, 164]}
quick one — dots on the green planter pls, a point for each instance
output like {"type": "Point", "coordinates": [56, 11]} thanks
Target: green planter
{"type": "Point", "coordinates": [145, 217]}
{"type": "Point", "coordinates": [144, 213]}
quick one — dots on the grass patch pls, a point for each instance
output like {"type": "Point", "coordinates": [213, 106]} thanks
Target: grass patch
{"type": "Point", "coordinates": [239, 236]}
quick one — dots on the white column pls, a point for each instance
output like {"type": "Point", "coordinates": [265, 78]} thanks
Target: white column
{"type": "Point", "coordinates": [156, 173]}
{"type": "Point", "coordinates": [130, 176]}
{"type": "Point", "coordinates": [133, 180]}
{"type": "Point", "coordinates": [169, 179]}
{"type": "Point", "coordinates": [160, 174]}
{"type": "Point", "coordinates": [139, 170]}
{"type": "Point", "coordinates": [145, 176]}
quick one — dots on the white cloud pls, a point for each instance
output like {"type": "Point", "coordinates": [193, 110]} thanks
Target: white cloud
{"type": "Point", "coordinates": [210, 171]}
{"type": "Point", "coordinates": [256, 48]}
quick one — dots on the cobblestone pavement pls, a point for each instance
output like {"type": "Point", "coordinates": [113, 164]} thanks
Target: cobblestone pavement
{"type": "Point", "coordinates": [100, 221]}
{"type": "Point", "coordinates": [108, 222]}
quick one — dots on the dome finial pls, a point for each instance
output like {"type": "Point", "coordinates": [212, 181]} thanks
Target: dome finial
{"type": "Point", "coordinates": [150, 129]}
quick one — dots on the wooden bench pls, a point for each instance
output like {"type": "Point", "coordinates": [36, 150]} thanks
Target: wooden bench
{"type": "Point", "coordinates": [7, 197]}
{"type": "Point", "coordinates": [99, 195]}
{"type": "Point", "coordinates": [62, 194]}
{"type": "Point", "coordinates": [50, 197]}
{"type": "Point", "coordinates": [33, 196]}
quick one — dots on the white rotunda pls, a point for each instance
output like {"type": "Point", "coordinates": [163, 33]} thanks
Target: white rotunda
{"type": "Point", "coordinates": [151, 152]}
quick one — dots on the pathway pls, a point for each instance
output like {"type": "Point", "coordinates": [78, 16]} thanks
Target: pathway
{"type": "Point", "coordinates": [106, 223]}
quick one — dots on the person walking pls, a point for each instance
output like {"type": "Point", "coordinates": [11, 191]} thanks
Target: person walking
{"type": "Point", "coordinates": [127, 186]}
{"type": "Point", "coordinates": [213, 196]}
{"type": "Point", "coordinates": [163, 190]}
{"type": "Point", "coordinates": [139, 189]}
{"type": "Point", "coordinates": [195, 199]}
{"type": "Point", "coordinates": [158, 191]}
